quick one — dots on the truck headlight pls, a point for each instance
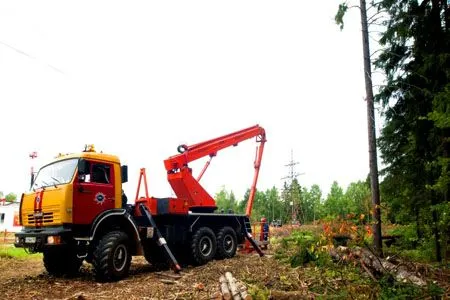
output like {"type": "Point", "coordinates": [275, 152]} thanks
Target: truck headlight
{"type": "Point", "coordinates": [53, 239]}
{"type": "Point", "coordinates": [17, 240]}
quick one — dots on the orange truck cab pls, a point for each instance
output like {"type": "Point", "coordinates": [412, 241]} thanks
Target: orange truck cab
{"type": "Point", "coordinates": [64, 208]}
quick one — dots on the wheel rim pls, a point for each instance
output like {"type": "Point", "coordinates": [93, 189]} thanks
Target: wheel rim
{"type": "Point", "coordinates": [120, 257]}
{"type": "Point", "coordinates": [228, 243]}
{"type": "Point", "coordinates": [205, 246]}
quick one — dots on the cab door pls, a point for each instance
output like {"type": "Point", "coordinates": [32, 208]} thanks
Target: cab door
{"type": "Point", "coordinates": [93, 192]}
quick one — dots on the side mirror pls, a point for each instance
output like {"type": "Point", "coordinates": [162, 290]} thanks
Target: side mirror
{"type": "Point", "coordinates": [124, 173]}
{"type": "Point", "coordinates": [83, 167]}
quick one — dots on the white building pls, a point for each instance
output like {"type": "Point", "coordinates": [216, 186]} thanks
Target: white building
{"type": "Point", "coordinates": [9, 216]}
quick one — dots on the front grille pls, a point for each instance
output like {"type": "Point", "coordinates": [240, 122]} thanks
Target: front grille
{"type": "Point", "coordinates": [50, 215]}
{"type": "Point", "coordinates": [44, 219]}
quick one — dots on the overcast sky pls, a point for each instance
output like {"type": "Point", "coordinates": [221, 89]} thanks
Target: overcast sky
{"type": "Point", "coordinates": [137, 78]}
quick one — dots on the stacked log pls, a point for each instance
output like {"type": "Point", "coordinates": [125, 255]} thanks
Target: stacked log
{"type": "Point", "coordinates": [371, 262]}
{"type": "Point", "coordinates": [231, 288]}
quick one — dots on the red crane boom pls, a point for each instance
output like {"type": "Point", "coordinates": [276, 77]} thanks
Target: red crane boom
{"type": "Point", "coordinates": [188, 188]}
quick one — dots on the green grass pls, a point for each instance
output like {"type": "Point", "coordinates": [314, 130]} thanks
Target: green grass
{"type": "Point", "coordinates": [13, 252]}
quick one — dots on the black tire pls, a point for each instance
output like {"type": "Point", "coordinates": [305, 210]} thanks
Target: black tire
{"type": "Point", "coordinates": [226, 243]}
{"type": "Point", "coordinates": [155, 256]}
{"type": "Point", "coordinates": [203, 246]}
{"type": "Point", "coordinates": [59, 261]}
{"type": "Point", "coordinates": [112, 257]}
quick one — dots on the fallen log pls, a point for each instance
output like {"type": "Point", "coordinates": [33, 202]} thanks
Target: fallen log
{"type": "Point", "coordinates": [287, 295]}
{"type": "Point", "coordinates": [232, 284]}
{"type": "Point", "coordinates": [380, 265]}
{"type": "Point", "coordinates": [168, 281]}
{"type": "Point", "coordinates": [173, 276]}
{"type": "Point", "coordinates": [216, 296]}
{"type": "Point", "coordinates": [383, 266]}
{"type": "Point", "coordinates": [224, 288]}
{"type": "Point", "coordinates": [243, 291]}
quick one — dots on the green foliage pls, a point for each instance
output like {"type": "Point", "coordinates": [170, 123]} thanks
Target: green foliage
{"type": "Point", "coordinates": [410, 246]}
{"type": "Point", "coordinates": [335, 204]}
{"type": "Point", "coordinates": [308, 203]}
{"type": "Point", "coordinates": [415, 139]}
{"type": "Point", "coordinates": [300, 248]}
{"type": "Point", "coordinates": [357, 197]}
{"type": "Point", "coordinates": [345, 279]}
{"type": "Point", "coordinates": [258, 293]}
{"type": "Point", "coordinates": [226, 200]}
{"type": "Point", "coordinates": [11, 197]}
{"type": "Point", "coordinates": [339, 18]}
{"type": "Point", "coordinates": [435, 291]}
{"type": "Point", "coordinates": [408, 236]}
{"type": "Point", "coordinates": [12, 252]}
{"type": "Point", "coordinates": [392, 289]}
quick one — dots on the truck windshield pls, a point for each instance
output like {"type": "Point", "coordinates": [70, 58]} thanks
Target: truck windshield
{"type": "Point", "coordinates": [60, 172]}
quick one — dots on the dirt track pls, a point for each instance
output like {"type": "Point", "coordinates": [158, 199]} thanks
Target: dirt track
{"type": "Point", "coordinates": [27, 279]}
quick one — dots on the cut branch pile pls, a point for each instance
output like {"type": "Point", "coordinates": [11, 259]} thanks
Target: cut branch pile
{"type": "Point", "coordinates": [372, 263]}
{"type": "Point", "coordinates": [231, 288]}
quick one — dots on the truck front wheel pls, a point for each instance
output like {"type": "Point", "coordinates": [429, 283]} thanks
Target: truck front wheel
{"type": "Point", "coordinates": [112, 258]}
{"type": "Point", "coordinates": [60, 261]}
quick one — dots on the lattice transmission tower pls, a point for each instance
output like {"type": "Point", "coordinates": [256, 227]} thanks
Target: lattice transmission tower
{"type": "Point", "coordinates": [296, 210]}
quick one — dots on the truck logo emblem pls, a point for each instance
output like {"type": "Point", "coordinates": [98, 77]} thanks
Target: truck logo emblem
{"type": "Point", "coordinates": [100, 198]}
{"type": "Point", "coordinates": [38, 199]}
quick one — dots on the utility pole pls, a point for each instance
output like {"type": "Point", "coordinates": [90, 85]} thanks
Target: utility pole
{"type": "Point", "coordinates": [291, 176]}
{"type": "Point", "coordinates": [32, 155]}
{"type": "Point", "coordinates": [374, 184]}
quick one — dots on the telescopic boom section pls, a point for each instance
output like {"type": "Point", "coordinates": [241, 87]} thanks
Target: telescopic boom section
{"type": "Point", "coordinates": [187, 188]}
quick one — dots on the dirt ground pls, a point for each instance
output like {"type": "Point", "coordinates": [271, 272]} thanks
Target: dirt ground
{"type": "Point", "coordinates": [27, 279]}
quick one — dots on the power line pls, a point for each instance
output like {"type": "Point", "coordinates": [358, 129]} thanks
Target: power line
{"type": "Point", "coordinates": [30, 56]}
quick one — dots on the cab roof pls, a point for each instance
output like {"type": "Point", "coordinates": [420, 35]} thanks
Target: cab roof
{"type": "Point", "coordinates": [90, 155]}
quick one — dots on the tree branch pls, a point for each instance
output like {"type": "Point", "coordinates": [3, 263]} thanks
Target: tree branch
{"type": "Point", "coordinates": [374, 5]}
{"type": "Point", "coordinates": [376, 14]}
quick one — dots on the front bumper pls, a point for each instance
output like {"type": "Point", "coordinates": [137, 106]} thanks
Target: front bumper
{"type": "Point", "coordinates": [36, 239]}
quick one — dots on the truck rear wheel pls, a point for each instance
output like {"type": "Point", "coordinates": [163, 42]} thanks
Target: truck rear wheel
{"type": "Point", "coordinates": [203, 245]}
{"type": "Point", "coordinates": [226, 243]}
{"type": "Point", "coordinates": [60, 261]}
{"type": "Point", "coordinates": [112, 258]}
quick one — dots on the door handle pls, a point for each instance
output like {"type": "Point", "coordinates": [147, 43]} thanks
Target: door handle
{"type": "Point", "coordinates": [82, 190]}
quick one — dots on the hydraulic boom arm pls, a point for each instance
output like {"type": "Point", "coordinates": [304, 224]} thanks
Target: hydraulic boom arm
{"type": "Point", "coordinates": [187, 188]}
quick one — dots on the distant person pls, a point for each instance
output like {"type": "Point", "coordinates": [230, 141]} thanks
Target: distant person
{"type": "Point", "coordinates": [264, 230]}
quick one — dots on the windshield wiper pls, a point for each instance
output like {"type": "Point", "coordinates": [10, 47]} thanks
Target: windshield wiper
{"type": "Point", "coordinates": [43, 187]}
{"type": "Point", "coordinates": [55, 179]}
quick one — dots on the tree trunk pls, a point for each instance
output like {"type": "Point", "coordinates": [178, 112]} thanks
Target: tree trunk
{"type": "Point", "coordinates": [418, 229]}
{"type": "Point", "coordinates": [435, 229]}
{"type": "Point", "coordinates": [436, 236]}
{"type": "Point", "coordinates": [374, 184]}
